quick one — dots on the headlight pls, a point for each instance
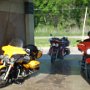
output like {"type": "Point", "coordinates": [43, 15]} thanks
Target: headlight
{"type": "Point", "coordinates": [57, 45]}
{"type": "Point", "coordinates": [53, 44]}
{"type": "Point", "coordinates": [88, 51]}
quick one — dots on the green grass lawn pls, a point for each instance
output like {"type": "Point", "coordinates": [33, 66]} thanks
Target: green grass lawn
{"type": "Point", "coordinates": [58, 32]}
{"type": "Point", "coordinates": [45, 31]}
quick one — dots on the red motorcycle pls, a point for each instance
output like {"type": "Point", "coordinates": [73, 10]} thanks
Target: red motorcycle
{"type": "Point", "coordinates": [57, 49]}
{"type": "Point", "coordinates": [85, 62]}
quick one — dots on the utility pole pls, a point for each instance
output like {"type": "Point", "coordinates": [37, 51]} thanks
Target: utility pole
{"type": "Point", "coordinates": [84, 24]}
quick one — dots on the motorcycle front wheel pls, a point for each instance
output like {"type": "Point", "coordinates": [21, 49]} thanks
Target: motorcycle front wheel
{"type": "Point", "coordinates": [3, 82]}
{"type": "Point", "coordinates": [87, 71]}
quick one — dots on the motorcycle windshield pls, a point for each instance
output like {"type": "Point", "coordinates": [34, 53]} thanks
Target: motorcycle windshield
{"type": "Point", "coordinates": [14, 47]}
{"type": "Point", "coordinates": [16, 42]}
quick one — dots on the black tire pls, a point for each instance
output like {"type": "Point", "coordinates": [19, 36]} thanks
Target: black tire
{"type": "Point", "coordinates": [67, 51]}
{"type": "Point", "coordinates": [87, 72]}
{"type": "Point", "coordinates": [3, 82]}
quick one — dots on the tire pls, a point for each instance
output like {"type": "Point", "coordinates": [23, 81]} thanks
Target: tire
{"type": "Point", "coordinates": [67, 51]}
{"type": "Point", "coordinates": [3, 82]}
{"type": "Point", "coordinates": [87, 71]}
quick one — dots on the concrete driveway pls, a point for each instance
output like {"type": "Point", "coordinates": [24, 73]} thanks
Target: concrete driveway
{"type": "Point", "coordinates": [62, 75]}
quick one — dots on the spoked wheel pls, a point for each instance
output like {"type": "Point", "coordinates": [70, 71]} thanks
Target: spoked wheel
{"type": "Point", "coordinates": [3, 82]}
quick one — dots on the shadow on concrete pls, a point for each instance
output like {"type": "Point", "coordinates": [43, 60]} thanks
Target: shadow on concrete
{"type": "Point", "coordinates": [69, 66]}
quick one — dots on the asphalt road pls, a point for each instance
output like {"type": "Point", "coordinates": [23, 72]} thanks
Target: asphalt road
{"type": "Point", "coordinates": [63, 75]}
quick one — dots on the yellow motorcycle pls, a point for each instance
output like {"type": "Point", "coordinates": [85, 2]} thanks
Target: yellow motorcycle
{"type": "Point", "coordinates": [16, 63]}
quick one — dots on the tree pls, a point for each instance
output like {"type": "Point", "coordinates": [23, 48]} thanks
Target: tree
{"type": "Point", "coordinates": [61, 12]}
